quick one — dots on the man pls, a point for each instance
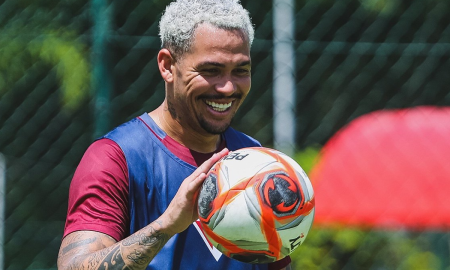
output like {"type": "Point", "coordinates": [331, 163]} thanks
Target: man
{"type": "Point", "coordinates": [132, 200]}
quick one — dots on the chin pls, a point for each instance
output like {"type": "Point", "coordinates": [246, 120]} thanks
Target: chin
{"type": "Point", "coordinates": [214, 128]}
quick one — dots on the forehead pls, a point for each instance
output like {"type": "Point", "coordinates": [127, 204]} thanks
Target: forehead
{"type": "Point", "coordinates": [211, 40]}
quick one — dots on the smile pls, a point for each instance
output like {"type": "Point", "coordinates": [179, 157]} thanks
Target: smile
{"type": "Point", "coordinates": [219, 107]}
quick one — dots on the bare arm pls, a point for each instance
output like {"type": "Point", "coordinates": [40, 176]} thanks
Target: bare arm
{"type": "Point", "coordinates": [95, 251]}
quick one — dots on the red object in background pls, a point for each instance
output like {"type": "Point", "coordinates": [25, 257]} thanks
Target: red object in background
{"type": "Point", "coordinates": [387, 169]}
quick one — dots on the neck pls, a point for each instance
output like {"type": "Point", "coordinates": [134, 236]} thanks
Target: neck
{"type": "Point", "coordinates": [203, 143]}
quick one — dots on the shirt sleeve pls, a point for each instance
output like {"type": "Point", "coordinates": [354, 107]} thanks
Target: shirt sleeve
{"type": "Point", "coordinates": [280, 264]}
{"type": "Point", "coordinates": [98, 193]}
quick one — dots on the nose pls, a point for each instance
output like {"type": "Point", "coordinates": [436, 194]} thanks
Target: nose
{"type": "Point", "coordinates": [226, 86]}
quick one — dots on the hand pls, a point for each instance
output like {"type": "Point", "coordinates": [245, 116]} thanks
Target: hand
{"type": "Point", "coordinates": [182, 210]}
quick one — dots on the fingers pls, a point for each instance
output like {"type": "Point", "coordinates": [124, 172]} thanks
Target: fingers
{"type": "Point", "coordinates": [181, 211]}
{"type": "Point", "coordinates": [200, 173]}
{"type": "Point", "coordinates": [194, 186]}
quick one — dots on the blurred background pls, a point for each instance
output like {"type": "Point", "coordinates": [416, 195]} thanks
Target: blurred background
{"type": "Point", "coordinates": [70, 70]}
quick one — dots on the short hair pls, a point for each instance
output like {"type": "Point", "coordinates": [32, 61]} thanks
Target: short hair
{"type": "Point", "coordinates": [181, 18]}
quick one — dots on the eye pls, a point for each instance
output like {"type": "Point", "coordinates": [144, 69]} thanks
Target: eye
{"type": "Point", "coordinates": [242, 71]}
{"type": "Point", "coordinates": [209, 71]}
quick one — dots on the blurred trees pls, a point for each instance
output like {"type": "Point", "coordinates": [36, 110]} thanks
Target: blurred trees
{"type": "Point", "coordinates": [353, 248]}
{"type": "Point", "coordinates": [35, 34]}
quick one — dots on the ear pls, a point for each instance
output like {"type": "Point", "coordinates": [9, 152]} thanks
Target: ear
{"type": "Point", "coordinates": [165, 64]}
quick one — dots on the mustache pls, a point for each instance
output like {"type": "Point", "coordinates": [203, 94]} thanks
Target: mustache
{"type": "Point", "coordinates": [218, 96]}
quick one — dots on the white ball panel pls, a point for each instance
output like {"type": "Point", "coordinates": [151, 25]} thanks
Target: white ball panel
{"type": "Point", "coordinates": [294, 237]}
{"type": "Point", "coordinates": [238, 217]}
{"type": "Point", "coordinates": [244, 164]}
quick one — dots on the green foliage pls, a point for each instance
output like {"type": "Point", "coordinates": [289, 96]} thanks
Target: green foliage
{"type": "Point", "coordinates": [380, 6]}
{"type": "Point", "coordinates": [353, 248]}
{"type": "Point", "coordinates": [307, 157]}
{"type": "Point", "coordinates": [21, 50]}
{"type": "Point", "coordinates": [69, 59]}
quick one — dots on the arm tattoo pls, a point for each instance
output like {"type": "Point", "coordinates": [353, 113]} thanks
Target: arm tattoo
{"type": "Point", "coordinates": [73, 245]}
{"type": "Point", "coordinates": [113, 260]}
{"type": "Point", "coordinates": [138, 258]}
{"type": "Point", "coordinates": [109, 260]}
{"type": "Point", "coordinates": [138, 249]}
{"type": "Point", "coordinates": [151, 238]}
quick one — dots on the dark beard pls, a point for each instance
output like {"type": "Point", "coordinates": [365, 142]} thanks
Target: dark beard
{"type": "Point", "coordinates": [216, 130]}
{"type": "Point", "coordinates": [171, 109]}
{"type": "Point", "coordinates": [212, 129]}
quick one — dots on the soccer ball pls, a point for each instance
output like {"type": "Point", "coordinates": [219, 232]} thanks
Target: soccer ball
{"type": "Point", "coordinates": [256, 205]}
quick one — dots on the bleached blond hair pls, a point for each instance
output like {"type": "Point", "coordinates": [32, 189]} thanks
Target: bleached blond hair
{"type": "Point", "coordinates": [181, 18]}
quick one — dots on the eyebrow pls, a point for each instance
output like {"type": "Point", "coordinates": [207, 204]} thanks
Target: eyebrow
{"type": "Point", "coordinates": [217, 64]}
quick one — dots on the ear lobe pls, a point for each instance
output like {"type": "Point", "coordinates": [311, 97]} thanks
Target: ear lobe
{"type": "Point", "coordinates": [165, 63]}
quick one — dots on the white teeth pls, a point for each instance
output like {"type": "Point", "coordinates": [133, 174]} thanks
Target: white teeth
{"type": "Point", "coordinates": [217, 106]}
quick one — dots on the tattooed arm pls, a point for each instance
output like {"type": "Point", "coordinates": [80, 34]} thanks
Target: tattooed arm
{"type": "Point", "coordinates": [94, 250]}
{"type": "Point", "coordinates": [89, 250]}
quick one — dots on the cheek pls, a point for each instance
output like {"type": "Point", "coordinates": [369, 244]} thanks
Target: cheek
{"type": "Point", "coordinates": [197, 87]}
{"type": "Point", "coordinates": [245, 85]}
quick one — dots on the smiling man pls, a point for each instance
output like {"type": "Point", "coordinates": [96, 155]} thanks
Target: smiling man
{"type": "Point", "coordinates": [132, 200]}
{"type": "Point", "coordinates": [204, 87]}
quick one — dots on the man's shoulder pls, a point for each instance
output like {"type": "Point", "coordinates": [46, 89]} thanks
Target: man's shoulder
{"type": "Point", "coordinates": [129, 127]}
{"type": "Point", "coordinates": [133, 130]}
{"type": "Point", "coordinates": [134, 136]}
{"type": "Point", "coordinates": [236, 139]}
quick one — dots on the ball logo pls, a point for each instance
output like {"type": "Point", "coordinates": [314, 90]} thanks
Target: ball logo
{"type": "Point", "coordinates": [281, 193]}
{"type": "Point", "coordinates": [207, 194]}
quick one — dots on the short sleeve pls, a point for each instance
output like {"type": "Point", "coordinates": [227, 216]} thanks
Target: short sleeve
{"type": "Point", "coordinates": [98, 194]}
